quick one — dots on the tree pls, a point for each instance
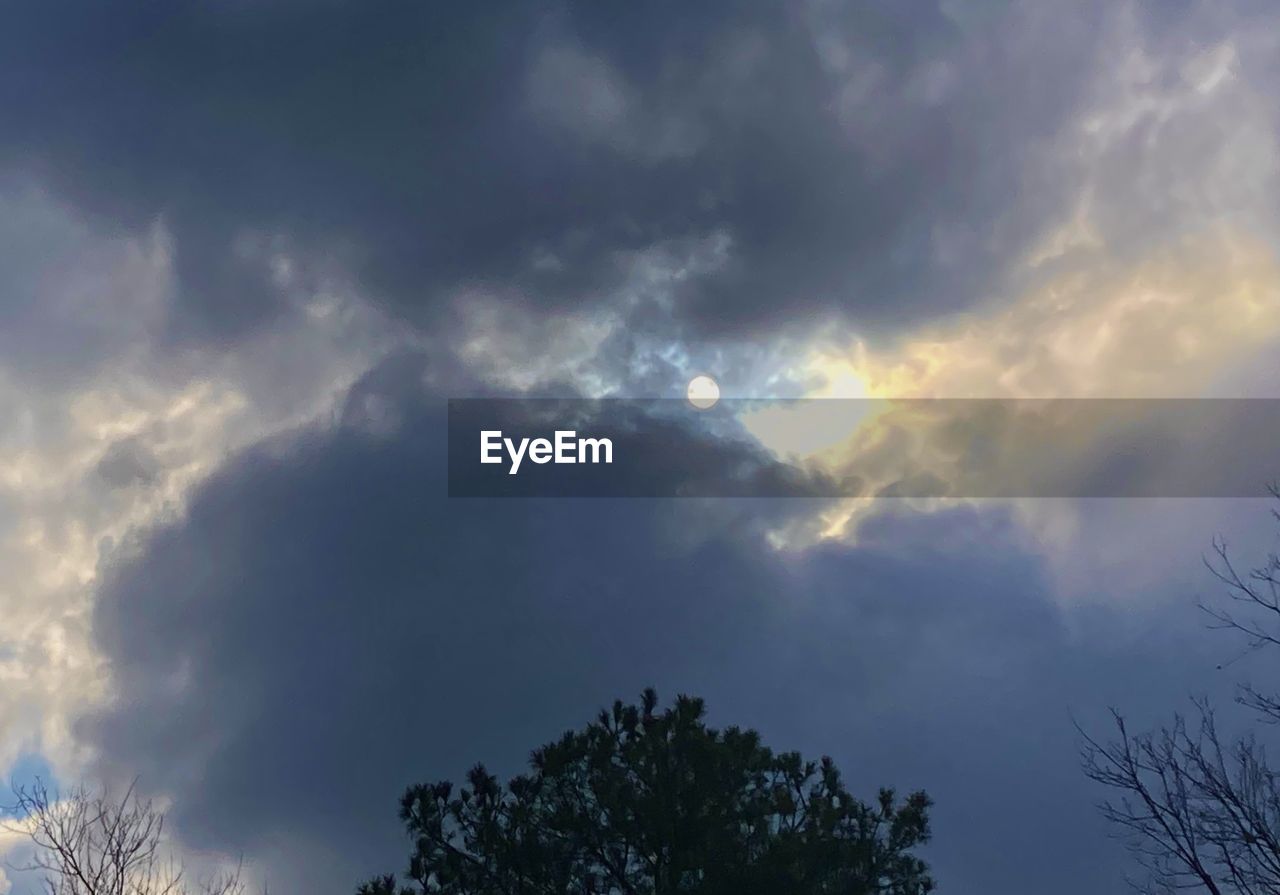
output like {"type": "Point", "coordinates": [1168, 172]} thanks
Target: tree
{"type": "Point", "coordinates": [86, 843]}
{"type": "Point", "coordinates": [1200, 810]}
{"type": "Point", "coordinates": [642, 802]}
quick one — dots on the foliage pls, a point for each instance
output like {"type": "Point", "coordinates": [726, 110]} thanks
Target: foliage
{"type": "Point", "coordinates": [646, 803]}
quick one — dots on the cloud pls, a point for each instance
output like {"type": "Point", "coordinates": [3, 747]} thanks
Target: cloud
{"type": "Point", "coordinates": [66, 287]}
{"type": "Point", "coordinates": [106, 428]}
{"type": "Point", "coordinates": [216, 217]}
{"type": "Point", "coordinates": [851, 162]}
{"type": "Point", "coordinates": [322, 627]}
{"type": "Point", "coordinates": [1199, 316]}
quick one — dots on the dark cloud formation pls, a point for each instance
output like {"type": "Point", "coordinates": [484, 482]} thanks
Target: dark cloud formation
{"type": "Point", "coordinates": [775, 162]}
{"type": "Point", "coordinates": [324, 627]}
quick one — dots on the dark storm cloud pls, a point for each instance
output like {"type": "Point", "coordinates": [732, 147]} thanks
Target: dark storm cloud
{"type": "Point", "coordinates": [784, 161]}
{"type": "Point", "coordinates": [324, 627]}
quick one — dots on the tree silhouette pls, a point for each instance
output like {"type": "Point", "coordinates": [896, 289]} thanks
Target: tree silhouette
{"type": "Point", "coordinates": [86, 842]}
{"type": "Point", "coordinates": [642, 802]}
{"type": "Point", "coordinates": [1200, 810]}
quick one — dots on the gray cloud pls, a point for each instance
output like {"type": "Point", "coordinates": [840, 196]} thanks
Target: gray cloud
{"type": "Point", "coordinates": [127, 462]}
{"type": "Point", "coordinates": [324, 627]}
{"type": "Point", "coordinates": [786, 163]}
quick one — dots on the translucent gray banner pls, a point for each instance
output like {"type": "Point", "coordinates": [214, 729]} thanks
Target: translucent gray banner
{"type": "Point", "coordinates": [863, 448]}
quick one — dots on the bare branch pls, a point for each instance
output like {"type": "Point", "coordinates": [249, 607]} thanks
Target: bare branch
{"type": "Point", "coordinates": [1198, 813]}
{"type": "Point", "coordinates": [87, 843]}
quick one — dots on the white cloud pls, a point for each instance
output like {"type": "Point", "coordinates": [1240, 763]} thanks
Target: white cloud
{"type": "Point", "coordinates": [121, 392]}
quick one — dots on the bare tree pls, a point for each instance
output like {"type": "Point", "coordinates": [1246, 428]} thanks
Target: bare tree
{"type": "Point", "coordinates": [1198, 810]}
{"type": "Point", "coordinates": [86, 843]}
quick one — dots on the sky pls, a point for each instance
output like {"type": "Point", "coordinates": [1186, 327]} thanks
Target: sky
{"type": "Point", "coordinates": [250, 248]}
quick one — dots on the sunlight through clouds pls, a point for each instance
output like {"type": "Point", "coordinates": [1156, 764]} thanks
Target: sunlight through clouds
{"type": "Point", "coordinates": [815, 201]}
{"type": "Point", "coordinates": [89, 463]}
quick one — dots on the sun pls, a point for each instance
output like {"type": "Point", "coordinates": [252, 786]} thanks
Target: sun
{"type": "Point", "coordinates": [703, 392]}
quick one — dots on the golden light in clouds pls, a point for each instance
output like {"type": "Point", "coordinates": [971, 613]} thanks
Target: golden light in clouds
{"type": "Point", "coordinates": [806, 427]}
{"type": "Point", "coordinates": [1168, 325]}
{"type": "Point", "coordinates": [1173, 324]}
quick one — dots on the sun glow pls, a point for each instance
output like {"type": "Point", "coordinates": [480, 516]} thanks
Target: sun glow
{"type": "Point", "coordinates": [825, 417]}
